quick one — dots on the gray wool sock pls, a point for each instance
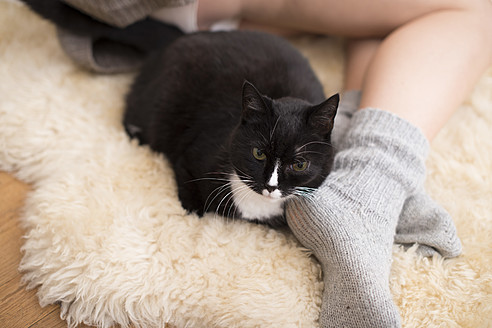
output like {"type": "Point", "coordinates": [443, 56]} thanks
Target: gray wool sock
{"type": "Point", "coordinates": [422, 221]}
{"type": "Point", "coordinates": [349, 103]}
{"type": "Point", "coordinates": [350, 221]}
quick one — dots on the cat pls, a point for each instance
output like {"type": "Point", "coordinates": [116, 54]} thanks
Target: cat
{"type": "Point", "coordinates": [241, 117]}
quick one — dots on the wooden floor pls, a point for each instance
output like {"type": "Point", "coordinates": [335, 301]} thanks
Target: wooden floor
{"type": "Point", "coordinates": [19, 308]}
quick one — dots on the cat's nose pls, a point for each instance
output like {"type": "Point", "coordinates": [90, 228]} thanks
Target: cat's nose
{"type": "Point", "coordinates": [270, 188]}
{"type": "Point", "coordinates": [273, 194]}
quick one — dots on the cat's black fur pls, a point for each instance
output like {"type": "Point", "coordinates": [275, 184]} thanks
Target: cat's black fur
{"type": "Point", "coordinates": [191, 102]}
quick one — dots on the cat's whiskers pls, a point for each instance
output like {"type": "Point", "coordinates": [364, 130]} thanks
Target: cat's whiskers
{"type": "Point", "coordinates": [309, 152]}
{"type": "Point", "coordinates": [301, 158]}
{"type": "Point", "coordinates": [246, 179]}
{"type": "Point", "coordinates": [234, 203]}
{"type": "Point", "coordinates": [304, 192]}
{"type": "Point", "coordinates": [208, 179]}
{"type": "Point", "coordinates": [235, 211]}
{"type": "Point", "coordinates": [216, 213]}
{"type": "Point", "coordinates": [227, 196]}
{"type": "Point", "coordinates": [272, 133]}
{"type": "Point", "coordinates": [314, 142]}
{"type": "Point", "coordinates": [221, 173]}
{"type": "Point", "coordinates": [243, 175]}
{"type": "Point", "coordinates": [220, 189]}
{"type": "Point", "coordinates": [307, 197]}
{"type": "Point", "coordinates": [217, 191]}
{"type": "Point", "coordinates": [317, 141]}
{"type": "Point", "coordinates": [305, 189]}
{"type": "Point", "coordinates": [239, 201]}
{"type": "Point", "coordinates": [265, 140]}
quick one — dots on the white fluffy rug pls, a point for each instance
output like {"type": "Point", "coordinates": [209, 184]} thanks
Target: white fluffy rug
{"type": "Point", "coordinates": [106, 236]}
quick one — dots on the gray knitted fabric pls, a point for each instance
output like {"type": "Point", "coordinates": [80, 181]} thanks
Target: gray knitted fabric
{"type": "Point", "coordinates": [122, 13]}
{"type": "Point", "coordinates": [106, 56]}
{"type": "Point", "coordinates": [350, 221]}
{"type": "Point", "coordinates": [102, 56]}
{"type": "Point", "coordinates": [349, 103]}
{"type": "Point", "coordinates": [422, 221]}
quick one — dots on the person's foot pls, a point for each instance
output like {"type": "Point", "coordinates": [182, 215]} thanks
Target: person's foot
{"type": "Point", "coordinates": [350, 221]}
{"type": "Point", "coordinates": [422, 221]}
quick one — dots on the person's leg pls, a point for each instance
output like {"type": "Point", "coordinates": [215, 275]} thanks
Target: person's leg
{"type": "Point", "coordinates": [359, 53]}
{"type": "Point", "coordinates": [427, 45]}
{"type": "Point", "coordinates": [420, 74]}
{"type": "Point", "coordinates": [431, 57]}
{"type": "Point", "coordinates": [349, 222]}
{"type": "Point", "coordinates": [422, 221]}
{"type": "Point", "coordinates": [358, 56]}
{"type": "Point", "coordinates": [424, 70]}
{"type": "Point", "coordinates": [350, 18]}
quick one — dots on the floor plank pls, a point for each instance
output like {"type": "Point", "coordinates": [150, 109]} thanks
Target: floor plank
{"type": "Point", "coordinates": [19, 308]}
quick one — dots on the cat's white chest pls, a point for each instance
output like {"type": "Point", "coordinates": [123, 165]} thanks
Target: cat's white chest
{"type": "Point", "coordinates": [252, 205]}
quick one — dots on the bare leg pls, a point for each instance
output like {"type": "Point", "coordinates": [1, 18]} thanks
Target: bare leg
{"type": "Point", "coordinates": [422, 221]}
{"type": "Point", "coordinates": [421, 75]}
{"type": "Point", "coordinates": [433, 53]}
{"type": "Point", "coordinates": [425, 69]}
{"type": "Point", "coordinates": [359, 54]}
{"type": "Point", "coordinates": [431, 56]}
{"type": "Point", "coordinates": [414, 75]}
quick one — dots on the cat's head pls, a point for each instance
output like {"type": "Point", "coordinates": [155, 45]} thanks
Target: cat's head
{"type": "Point", "coordinates": [281, 147]}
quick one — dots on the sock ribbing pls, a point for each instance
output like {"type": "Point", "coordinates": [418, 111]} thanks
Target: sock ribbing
{"type": "Point", "coordinates": [350, 221]}
{"type": "Point", "coordinates": [380, 144]}
{"type": "Point", "coordinates": [422, 221]}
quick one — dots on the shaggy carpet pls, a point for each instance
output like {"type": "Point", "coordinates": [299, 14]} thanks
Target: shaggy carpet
{"type": "Point", "coordinates": [107, 239]}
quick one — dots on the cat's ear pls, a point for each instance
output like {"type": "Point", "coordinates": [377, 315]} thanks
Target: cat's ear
{"type": "Point", "coordinates": [253, 103]}
{"type": "Point", "coordinates": [321, 117]}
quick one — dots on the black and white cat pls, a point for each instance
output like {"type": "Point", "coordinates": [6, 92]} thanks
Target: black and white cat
{"type": "Point", "coordinates": [241, 117]}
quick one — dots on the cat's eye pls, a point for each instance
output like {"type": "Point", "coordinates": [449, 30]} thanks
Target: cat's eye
{"type": "Point", "coordinates": [259, 154]}
{"type": "Point", "coordinates": [300, 166]}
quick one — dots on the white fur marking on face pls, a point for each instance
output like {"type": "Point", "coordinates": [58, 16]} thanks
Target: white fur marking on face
{"type": "Point", "coordinates": [254, 206]}
{"type": "Point", "coordinates": [274, 194]}
{"type": "Point", "coordinates": [274, 178]}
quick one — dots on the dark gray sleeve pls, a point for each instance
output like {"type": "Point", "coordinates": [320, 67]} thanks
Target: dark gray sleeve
{"type": "Point", "coordinates": [122, 13]}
